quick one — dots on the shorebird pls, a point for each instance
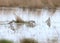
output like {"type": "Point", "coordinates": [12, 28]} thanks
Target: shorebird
{"type": "Point", "coordinates": [19, 22]}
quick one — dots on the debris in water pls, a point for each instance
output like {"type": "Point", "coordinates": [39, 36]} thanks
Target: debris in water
{"type": "Point", "coordinates": [48, 22]}
{"type": "Point", "coordinates": [28, 40]}
{"type": "Point", "coordinates": [5, 41]}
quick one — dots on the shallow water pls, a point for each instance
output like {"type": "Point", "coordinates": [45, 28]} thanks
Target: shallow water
{"type": "Point", "coordinates": [41, 32]}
